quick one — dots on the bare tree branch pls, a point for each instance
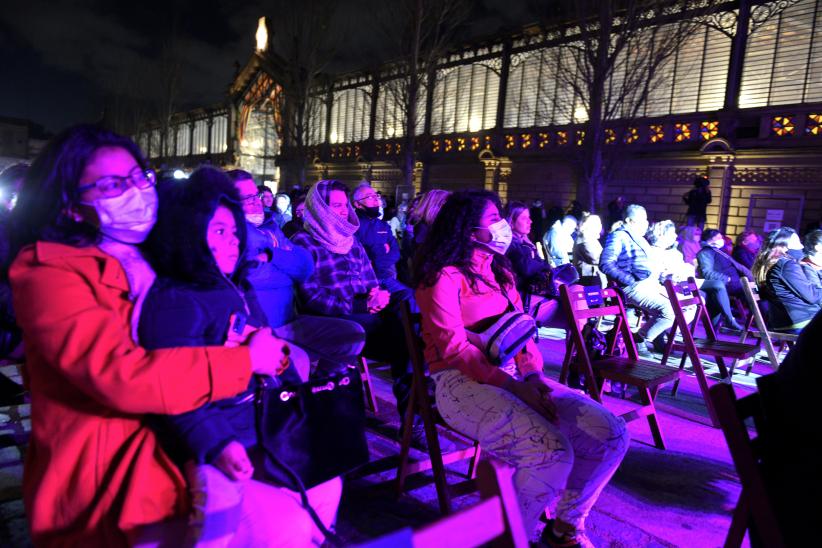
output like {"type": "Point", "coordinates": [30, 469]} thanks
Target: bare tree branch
{"type": "Point", "coordinates": [616, 54]}
{"type": "Point", "coordinates": [419, 34]}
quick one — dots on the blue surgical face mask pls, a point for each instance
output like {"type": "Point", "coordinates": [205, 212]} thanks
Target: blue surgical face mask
{"type": "Point", "coordinates": [797, 254]}
{"type": "Point", "coordinates": [501, 237]}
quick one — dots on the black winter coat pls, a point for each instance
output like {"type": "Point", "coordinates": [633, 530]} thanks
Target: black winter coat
{"type": "Point", "coordinates": [379, 242]}
{"type": "Point", "coordinates": [526, 263]}
{"type": "Point", "coordinates": [794, 299]}
{"type": "Point", "coordinates": [178, 314]}
{"type": "Point", "coordinates": [714, 265]}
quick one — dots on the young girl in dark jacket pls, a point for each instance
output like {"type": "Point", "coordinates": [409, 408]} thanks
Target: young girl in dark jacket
{"type": "Point", "coordinates": [201, 298]}
{"type": "Point", "coordinates": [794, 300]}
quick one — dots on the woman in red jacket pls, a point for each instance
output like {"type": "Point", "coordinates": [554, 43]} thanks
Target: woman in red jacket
{"type": "Point", "coordinates": [94, 474]}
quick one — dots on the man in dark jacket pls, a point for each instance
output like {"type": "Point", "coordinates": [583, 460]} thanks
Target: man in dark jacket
{"type": "Point", "coordinates": [280, 266]}
{"type": "Point", "coordinates": [625, 259]}
{"type": "Point", "coordinates": [379, 242]}
{"type": "Point", "coordinates": [715, 264]}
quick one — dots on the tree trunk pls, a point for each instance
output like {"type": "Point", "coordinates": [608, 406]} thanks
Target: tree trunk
{"type": "Point", "coordinates": [595, 137]}
{"type": "Point", "coordinates": [408, 152]}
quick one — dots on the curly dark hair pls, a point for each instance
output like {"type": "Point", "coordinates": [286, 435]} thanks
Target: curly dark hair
{"type": "Point", "coordinates": [449, 241]}
{"type": "Point", "coordinates": [177, 247]}
{"type": "Point", "coordinates": [50, 187]}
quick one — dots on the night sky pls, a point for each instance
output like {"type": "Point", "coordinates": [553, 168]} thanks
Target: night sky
{"type": "Point", "coordinates": [61, 59]}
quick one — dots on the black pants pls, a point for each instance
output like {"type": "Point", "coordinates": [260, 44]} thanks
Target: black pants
{"type": "Point", "coordinates": [718, 300]}
{"type": "Point", "coordinates": [385, 341]}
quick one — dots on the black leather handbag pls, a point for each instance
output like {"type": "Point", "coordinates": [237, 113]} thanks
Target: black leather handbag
{"type": "Point", "coordinates": [311, 432]}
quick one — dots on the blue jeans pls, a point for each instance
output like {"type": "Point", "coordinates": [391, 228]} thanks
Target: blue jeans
{"type": "Point", "coordinates": [650, 296]}
{"type": "Point", "coordinates": [333, 340]}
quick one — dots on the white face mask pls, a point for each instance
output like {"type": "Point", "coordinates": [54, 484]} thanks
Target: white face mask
{"type": "Point", "coordinates": [129, 217]}
{"type": "Point", "coordinates": [501, 237]}
{"type": "Point", "coordinates": [255, 218]}
{"type": "Point", "coordinates": [717, 244]}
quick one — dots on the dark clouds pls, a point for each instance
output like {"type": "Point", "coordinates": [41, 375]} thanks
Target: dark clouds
{"type": "Point", "coordinates": [60, 59]}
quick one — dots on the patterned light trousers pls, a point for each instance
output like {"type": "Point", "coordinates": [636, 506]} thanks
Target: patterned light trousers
{"type": "Point", "coordinates": [570, 462]}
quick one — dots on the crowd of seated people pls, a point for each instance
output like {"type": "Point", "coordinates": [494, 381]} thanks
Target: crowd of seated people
{"type": "Point", "coordinates": [142, 416]}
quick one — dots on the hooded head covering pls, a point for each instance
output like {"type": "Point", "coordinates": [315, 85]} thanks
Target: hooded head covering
{"type": "Point", "coordinates": [332, 231]}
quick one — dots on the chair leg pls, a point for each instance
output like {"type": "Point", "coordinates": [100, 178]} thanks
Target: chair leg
{"type": "Point", "coordinates": [472, 464]}
{"type": "Point", "coordinates": [669, 345]}
{"type": "Point", "coordinates": [437, 466]}
{"type": "Point", "coordinates": [724, 374]}
{"type": "Point", "coordinates": [681, 368]}
{"type": "Point", "coordinates": [368, 387]}
{"type": "Point", "coordinates": [649, 395]}
{"type": "Point", "coordinates": [405, 444]}
{"type": "Point", "coordinates": [742, 339]}
{"type": "Point", "coordinates": [739, 523]}
{"type": "Point", "coordinates": [566, 362]}
{"type": "Point", "coordinates": [702, 379]}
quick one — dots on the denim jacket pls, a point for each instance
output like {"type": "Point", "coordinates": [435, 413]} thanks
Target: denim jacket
{"type": "Point", "coordinates": [625, 258]}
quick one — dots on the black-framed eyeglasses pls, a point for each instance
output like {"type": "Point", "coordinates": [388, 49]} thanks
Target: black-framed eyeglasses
{"type": "Point", "coordinates": [369, 197]}
{"type": "Point", "coordinates": [112, 186]}
{"type": "Point", "coordinates": [251, 198]}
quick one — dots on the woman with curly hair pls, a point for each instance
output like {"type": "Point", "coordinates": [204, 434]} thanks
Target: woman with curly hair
{"type": "Point", "coordinates": [794, 300]}
{"type": "Point", "coordinates": [562, 444]}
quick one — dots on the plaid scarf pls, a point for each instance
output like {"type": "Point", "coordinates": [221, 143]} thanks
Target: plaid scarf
{"type": "Point", "coordinates": [329, 229]}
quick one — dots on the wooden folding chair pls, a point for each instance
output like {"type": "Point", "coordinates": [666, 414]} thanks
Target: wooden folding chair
{"type": "Point", "coordinates": [494, 521]}
{"type": "Point", "coordinates": [585, 302]}
{"type": "Point", "coordinates": [683, 294]}
{"type": "Point", "coordinates": [754, 504]}
{"type": "Point", "coordinates": [765, 336]}
{"type": "Point", "coordinates": [420, 404]}
{"type": "Point", "coordinates": [367, 386]}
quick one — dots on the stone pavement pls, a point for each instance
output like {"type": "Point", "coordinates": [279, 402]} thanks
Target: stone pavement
{"type": "Point", "coordinates": [683, 496]}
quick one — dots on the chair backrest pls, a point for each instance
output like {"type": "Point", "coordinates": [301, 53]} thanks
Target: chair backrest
{"type": "Point", "coordinates": [413, 340]}
{"type": "Point", "coordinates": [747, 453]}
{"type": "Point", "coordinates": [583, 302]}
{"type": "Point", "coordinates": [495, 520]}
{"type": "Point", "coordinates": [751, 291]}
{"type": "Point", "coordinates": [686, 293]}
